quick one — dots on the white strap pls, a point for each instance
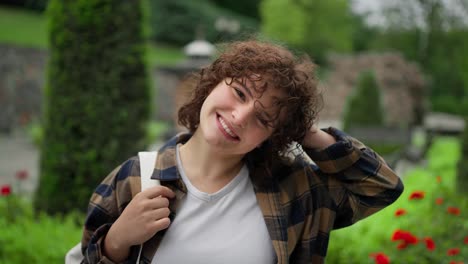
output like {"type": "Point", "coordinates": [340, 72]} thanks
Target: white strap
{"type": "Point", "coordinates": [147, 162]}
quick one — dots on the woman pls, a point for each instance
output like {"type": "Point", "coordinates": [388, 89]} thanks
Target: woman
{"type": "Point", "coordinates": [238, 188]}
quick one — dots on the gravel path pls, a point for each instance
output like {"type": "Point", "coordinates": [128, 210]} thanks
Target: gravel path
{"type": "Point", "coordinates": [18, 153]}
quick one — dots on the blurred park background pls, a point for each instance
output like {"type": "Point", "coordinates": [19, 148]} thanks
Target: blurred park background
{"type": "Point", "coordinates": [85, 85]}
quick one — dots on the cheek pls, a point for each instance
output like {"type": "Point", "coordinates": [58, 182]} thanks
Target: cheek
{"type": "Point", "coordinates": [260, 135]}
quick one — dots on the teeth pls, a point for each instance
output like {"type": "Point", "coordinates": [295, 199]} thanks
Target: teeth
{"type": "Point", "coordinates": [226, 128]}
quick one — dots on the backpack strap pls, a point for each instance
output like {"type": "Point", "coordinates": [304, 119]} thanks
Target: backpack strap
{"type": "Point", "coordinates": [147, 161]}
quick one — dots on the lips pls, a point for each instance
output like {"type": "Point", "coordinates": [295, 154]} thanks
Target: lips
{"type": "Point", "coordinates": [226, 129]}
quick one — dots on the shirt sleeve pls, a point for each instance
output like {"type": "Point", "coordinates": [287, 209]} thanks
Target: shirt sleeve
{"type": "Point", "coordinates": [105, 206]}
{"type": "Point", "coordinates": [359, 181]}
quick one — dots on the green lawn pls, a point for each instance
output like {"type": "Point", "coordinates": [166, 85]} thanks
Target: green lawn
{"type": "Point", "coordinates": [22, 27]}
{"type": "Point", "coordinates": [29, 29]}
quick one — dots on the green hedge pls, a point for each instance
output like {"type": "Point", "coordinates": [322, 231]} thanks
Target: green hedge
{"type": "Point", "coordinates": [423, 218]}
{"type": "Point", "coordinates": [97, 98]}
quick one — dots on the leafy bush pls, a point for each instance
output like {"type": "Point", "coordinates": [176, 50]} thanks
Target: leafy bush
{"type": "Point", "coordinates": [436, 215]}
{"type": "Point", "coordinates": [26, 238]}
{"type": "Point", "coordinates": [97, 98]}
{"type": "Point", "coordinates": [177, 21]}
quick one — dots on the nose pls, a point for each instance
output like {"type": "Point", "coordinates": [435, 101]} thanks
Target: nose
{"type": "Point", "coordinates": [242, 115]}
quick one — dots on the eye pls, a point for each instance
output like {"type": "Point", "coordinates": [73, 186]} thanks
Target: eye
{"type": "Point", "coordinates": [262, 121]}
{"type": "Point", "coordinates": [240, 94]}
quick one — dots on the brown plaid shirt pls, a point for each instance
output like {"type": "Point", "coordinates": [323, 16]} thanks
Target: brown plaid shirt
{"type": "Point", "coordinates": [301, 206]}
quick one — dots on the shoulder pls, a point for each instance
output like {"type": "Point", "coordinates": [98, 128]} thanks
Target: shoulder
{"type": "Point", "coordinates": [122, 183]}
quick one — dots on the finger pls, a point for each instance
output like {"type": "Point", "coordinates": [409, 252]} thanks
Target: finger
{"type": "Point", "coordinates": [161, 224]}
{"type": "Point", "coordinates": [160, 213]}
{"type": "Point", "coordinates": [159, 202]}
{"type": "Point", "coordinates": [156, 191]}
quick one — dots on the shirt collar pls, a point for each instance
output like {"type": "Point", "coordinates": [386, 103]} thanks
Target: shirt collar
{"type": "Point", "coordinates": [166, 161]}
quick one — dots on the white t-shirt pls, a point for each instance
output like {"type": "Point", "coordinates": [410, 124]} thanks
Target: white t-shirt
{"type": "Point", "coordinates": [223, 227]}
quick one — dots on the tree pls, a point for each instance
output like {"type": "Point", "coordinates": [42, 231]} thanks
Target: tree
{"type": "Point", "coordinates": [317, 27]}
{"type": "Point", "coordinates": [97, 98]}
{"type": "Point", "coordinates": [177, 22]}
{"type": "Point", "coordinates": [435, 34]}
{"type": "Point", "coordinates": [364, 107]}
{"type": "Point", "coordinates": [462, 175]}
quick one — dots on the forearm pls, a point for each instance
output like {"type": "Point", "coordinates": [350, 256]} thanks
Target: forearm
{"type": "Point", "coordinates": [318, 140]}
{"type": "Point", "coordinates": [359, 180]}
{"type": "Point", "coordinates": [113, 250]}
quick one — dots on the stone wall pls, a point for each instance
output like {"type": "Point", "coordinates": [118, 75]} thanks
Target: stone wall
{"type": "Point", "coordinates": [402, 84]}
{"type": "Point", "coordinates": [22, 78]}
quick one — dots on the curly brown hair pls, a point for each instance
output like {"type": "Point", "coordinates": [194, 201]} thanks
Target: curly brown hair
{"type": "Point", "coordinates": [276, 67]}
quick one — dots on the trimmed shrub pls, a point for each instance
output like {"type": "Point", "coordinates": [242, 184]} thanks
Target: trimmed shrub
{"type": "Point", "coordinates": [364, 107]}
{"type": "Point", "coordinates": [97, 98]}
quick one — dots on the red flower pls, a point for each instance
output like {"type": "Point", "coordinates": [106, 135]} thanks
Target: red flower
{"type": "Point", "coordinates": [402, 245]}
{"type": "Point", "coordinates": [439, 201]}
{"type": "Point", "coordinates": [439, 179]}
{"type": "Point", "coordinates": [380, 258]}
{"type": "Point", "coordinates": [406, 237]}
{"type": "Point", "coordinates": [22, 175]}
{"type": "Point", "coordinates": [466, 240]}
{"type": "Point", "coordinates": [400, 212]}
{"type": "Point", "coordinates": [6, 190]}
{"type": "Point", "coordinates": [453, 251]}
{"type": "Point", "coordinates": [456, 262]}
{"type": "Point", "coordinates": [453, 210]}
{"type": "Point", "coordinates": [416, 195]}
{"type": "Point", "coordinates": [430, 245]}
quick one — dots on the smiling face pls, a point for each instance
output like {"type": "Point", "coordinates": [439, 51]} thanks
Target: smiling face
{"type": "Point", "coordinates": [236, 117]}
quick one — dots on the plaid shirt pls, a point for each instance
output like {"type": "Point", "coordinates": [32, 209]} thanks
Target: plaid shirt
{"type": "Point", "coordinates": [301, 206]}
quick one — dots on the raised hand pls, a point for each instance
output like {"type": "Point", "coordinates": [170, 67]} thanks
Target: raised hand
{"type": "Point", "coordinates": [317, 139]}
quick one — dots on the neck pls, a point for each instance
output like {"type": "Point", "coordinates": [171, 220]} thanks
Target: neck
{"type": "Point", "coordinates": [207, 166]}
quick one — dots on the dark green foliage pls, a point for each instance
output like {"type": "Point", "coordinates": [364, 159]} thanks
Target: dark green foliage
{"type": "Point", "coordinates": [179, 21]}
{"type": "Point", "coordinates": [97, 98]}
{"type": "Point", "coordinates": [39, 5]}
{"type": "Point", "coordinates": [364, 107]}
{"type": "Point", "coordinates": [462, 173]}
{"type": "Point", "coordinates": [247, 8]}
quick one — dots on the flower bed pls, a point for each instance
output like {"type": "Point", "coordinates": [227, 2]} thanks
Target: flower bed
{"type": "Point", "coordinates": [427, 224]}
